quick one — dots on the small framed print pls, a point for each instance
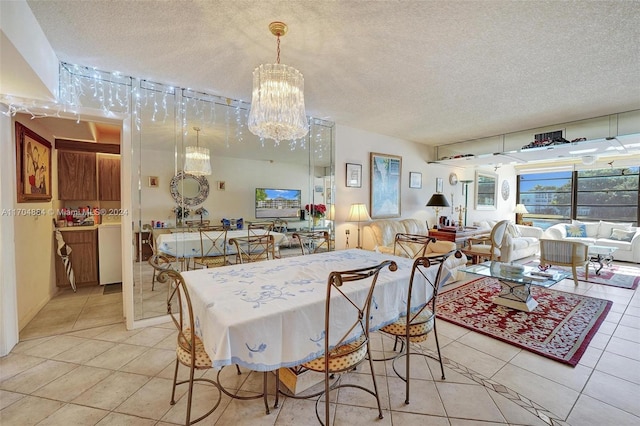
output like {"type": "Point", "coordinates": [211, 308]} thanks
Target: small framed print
{"type": "Point", "coordinates": [153, 181]}
{"type": "Point", "coordinates": [415, 180]}
{"type": "Point", "coordinates": [354, 175]}
{"type": "Point", "coordinates": [439, 185]}
{"type": "Point", "coordinates": [221, 185]}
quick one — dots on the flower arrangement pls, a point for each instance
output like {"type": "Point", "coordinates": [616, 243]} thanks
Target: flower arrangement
{"type": "Point", "coordinates": [316, 210]}
{"type": "Point", "coordinates": [202, 212]}
{"type": "Point", "coordinates": [181, 212]}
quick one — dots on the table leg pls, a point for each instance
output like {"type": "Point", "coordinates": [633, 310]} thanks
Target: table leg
{"type": "Point", "coordinates": [516, 296]}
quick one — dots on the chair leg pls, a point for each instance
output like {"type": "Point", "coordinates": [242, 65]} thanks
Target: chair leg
{"type": "Point", "coordinates": [265, 378]}
{"type": "Point", "coordinates": [575, 274]}
{"type": "Point", "coordinates": [407, 367]}
{"type": "Point", "coordinates": [190, 395]}
{"type": "Point", "coordinates": [175, 380]}
{"type": "Point", "coordinates": [375, 384]}
{"type": "Point", "coordinates": [435, 333]}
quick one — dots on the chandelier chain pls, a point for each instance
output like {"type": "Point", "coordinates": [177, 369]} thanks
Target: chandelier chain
{"type": "Point", "coordinates": [278, 49]}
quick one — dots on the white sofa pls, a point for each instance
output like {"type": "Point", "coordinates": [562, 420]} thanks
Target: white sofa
{"type": "Point", "coordinates": [380, 235]}
{"type": "Point", "coordinates": [519, 241]}
{"type": "Point", "coordinates": [623, 236]}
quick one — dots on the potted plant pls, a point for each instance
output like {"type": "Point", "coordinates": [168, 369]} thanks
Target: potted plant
{"type": "Point", "coordinates": [181, 212]}
{"type": "Point", "coordinates": [316, 211]}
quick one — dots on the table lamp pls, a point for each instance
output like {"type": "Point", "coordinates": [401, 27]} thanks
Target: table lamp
{"type": "Point", "coordinates": [519, 211]}
{"type": "Point", "coordinates": [358, 213]}
{"type": "Point", "coordinates": [437, 201]}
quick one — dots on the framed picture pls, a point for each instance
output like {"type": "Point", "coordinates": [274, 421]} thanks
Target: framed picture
{"type": "Point", "coordinates": [33, 166]}
{"type": "Point", "coordinates": [354, 175]}
{"type": "Point", "coordinates": [153, 181]}
{"type": "Point", "coordinates": [386, 172]}
{"type": "Point", "coordinates": [439, 185]}
{"type": "Point", "coordinates": [222, 185]}
{"type": "Point", "coordinates": [415, 180]}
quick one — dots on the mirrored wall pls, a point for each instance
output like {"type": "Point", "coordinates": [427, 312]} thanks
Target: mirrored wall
{"type": "Point", "coordinates": [165, 202]}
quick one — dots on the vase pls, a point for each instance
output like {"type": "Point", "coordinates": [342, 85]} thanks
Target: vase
{"type": "Point", "coordinates": [315, 221]}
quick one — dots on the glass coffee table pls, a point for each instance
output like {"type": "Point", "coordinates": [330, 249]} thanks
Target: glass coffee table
{"type": "Point", "coordinates": [601, 255]}
{"type": "Point", "coordinates": [515, 282]}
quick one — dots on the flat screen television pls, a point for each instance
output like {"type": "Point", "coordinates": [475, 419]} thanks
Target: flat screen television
{"type": "Point", "coordinates": [278, 203]}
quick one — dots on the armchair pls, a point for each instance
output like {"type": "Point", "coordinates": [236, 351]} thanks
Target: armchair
{"type": "Point", "coordinates": [565, 253]}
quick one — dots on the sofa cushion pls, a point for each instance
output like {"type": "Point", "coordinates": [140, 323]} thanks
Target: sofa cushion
{"type": "Point", "coordinates": [576, 230]}
{"type": "Point", "coordinates": [414, 226]}
{"type": "Point", "coordinates": [585, 240]}
{"type": "Point", "coordinates": [385, 231]}
{"type": "Point", "coordinates": [605, 228]}
{"type": "Point", "coordinates": [622, 235]}
{"type": "Point", "coordinates": [591, 227]}
{"type": "Point", "coordinates": [513, 230]}
{"type": "Point", "coordinates": [522, 243]}
{"type": "Point", "coordinates": [620, 245]}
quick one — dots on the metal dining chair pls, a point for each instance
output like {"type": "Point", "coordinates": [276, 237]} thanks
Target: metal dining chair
{"type": "Point", "coordinates": [190, 350]}
{"type": "Point", "coordinates": [254, 248]}
{"type": "Point", "coordinates": [411, 245]}
{"type": "Point", "coordinates": [312, 241]}
{"type": "Point", "coordinates": [420, 319]}
{"type": "Point", "coordinates": [344, 351]}
{"type": "Point", "coordinates": [213, 247]}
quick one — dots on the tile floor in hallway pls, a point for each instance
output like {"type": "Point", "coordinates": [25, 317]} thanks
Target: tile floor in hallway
{"type": "Point", "coordinates": [110, 376]}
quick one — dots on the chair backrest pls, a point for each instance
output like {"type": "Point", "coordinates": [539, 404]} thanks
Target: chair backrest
{"type": "Point", "coordinates": [423, 270]}
{"type": "Point", "coordinates": [563, 252]}
{"type": "Point", "coordinates": [353, 310]}
{"type": "Point", "coordinates": [497, 233]}
{"type": "Point", "coordinates": [254, 248]}
{"type": "Point", "coordinates": [213, 241]}
{"type": "Point", "coordinates": [195, 225]}
{"type": "Point", "coordinates": [280, 225]}
{"type": "Point", "coordinates": [259, 228]}
{"type": "Point", "coordinates": [312, 241]}
{"type": "Point", "coordinates": [411, 245]}
{"type": "Point", "coordinates": [180, 310]}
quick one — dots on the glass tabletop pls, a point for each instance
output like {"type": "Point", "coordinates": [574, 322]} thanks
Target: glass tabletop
{"type": "Point", "coordinates": [517, 273]}
{"type": "Point", "coordinates": [606, 250]}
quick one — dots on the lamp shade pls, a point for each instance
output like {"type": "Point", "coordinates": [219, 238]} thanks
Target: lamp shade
{"type": "Point", "coordinates": [438, 200]}
{"type": "Point", "coordinates": [358, 213]}
{"type": "Point", "coordinates": [331, 214]}
{"type": "Point", "coordinates": [520, 209]}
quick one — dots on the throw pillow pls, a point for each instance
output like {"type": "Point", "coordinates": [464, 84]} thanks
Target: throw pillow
{"type": "Point", "coordinates": [622, 235]}
{"type": "Point", "coordinates": [513, 230]}
{"type": "Point", "coordinates": [592, 227]}
{"type": "Point", "coordinates": [604, 231]}
{"type": "Point", "coordinates": [576, 231]}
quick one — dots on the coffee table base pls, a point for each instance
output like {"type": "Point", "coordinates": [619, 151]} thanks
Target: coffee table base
{"type": "Point", "coordinates": [516, 296]}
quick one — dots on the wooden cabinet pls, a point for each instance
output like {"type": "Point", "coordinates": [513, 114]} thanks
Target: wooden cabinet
{"type": "Point", "coordinates": [143, 241]}
{"type": "Point", "coordinates": [76, 176]}
{"type": "Point", "coordinates": [84, 258]}
{"type": "Point", "coordinates": [108, 177]}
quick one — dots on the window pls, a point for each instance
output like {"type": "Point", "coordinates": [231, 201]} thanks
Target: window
{"type": "Point", "coordinates": [547, 197]}
{"type": "Point", "coordinates": [603, 194]}
{"type": "Point", "coordinates": [608, 194]}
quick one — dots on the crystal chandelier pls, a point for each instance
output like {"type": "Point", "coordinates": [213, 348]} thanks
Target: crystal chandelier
{"type": "Point", "coordinates": [277, 105]}
{"type": "Point", "coordinates": [197, 160]}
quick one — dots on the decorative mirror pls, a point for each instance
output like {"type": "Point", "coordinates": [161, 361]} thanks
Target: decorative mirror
{"type": "Point", "coordinates": [188, 189]}
{"type": "Point", "coordinates": [486, 190]}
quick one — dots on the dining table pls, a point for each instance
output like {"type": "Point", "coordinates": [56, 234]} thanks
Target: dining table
{"type": "Point", "coordinates": [267, 315]}
{"type": "Point", "coordinates": [187, 244]}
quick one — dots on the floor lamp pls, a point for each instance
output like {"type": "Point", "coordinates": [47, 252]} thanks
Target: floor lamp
{"type": "Point", "coordinates": [437, 201]}
{"type": "Point", "coordinates": [358, 213]}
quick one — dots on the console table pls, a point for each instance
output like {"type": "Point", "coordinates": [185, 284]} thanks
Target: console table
{"type": "Point", "coordinates": [458, 236]}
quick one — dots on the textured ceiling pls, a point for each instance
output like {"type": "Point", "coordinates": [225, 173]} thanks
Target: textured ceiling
{"type": "Point", "coordinates": [433, 72]}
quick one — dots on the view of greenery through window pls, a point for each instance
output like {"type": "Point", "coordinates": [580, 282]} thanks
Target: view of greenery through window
{"type": "Point", "coordinates": [602, 194]}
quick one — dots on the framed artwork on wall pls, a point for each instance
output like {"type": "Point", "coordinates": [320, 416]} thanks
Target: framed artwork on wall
{"type": "Point", "coordinates": [354, 175]}
{"type": "Point", "coordinates": [385, 174]}
{"type": "Point", "coordinates": [439, 185]}
{"type": "Point", "coordinates": [415, 180]}
{"type": "Point", "coordinates": [33, 166]}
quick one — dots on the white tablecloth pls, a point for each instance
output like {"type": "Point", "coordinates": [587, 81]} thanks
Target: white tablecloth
{"type": "Point", "coordinates": [187, 244]}
{"type": "Point", "coordinates": [267, 315]}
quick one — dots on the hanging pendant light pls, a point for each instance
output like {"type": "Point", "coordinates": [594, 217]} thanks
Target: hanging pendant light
{"type": "Point", "coordinates": [277, 104]}
{"type": "Point", "coordinates": [197, 160]}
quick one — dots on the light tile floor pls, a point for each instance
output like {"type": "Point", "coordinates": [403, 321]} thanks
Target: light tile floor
{"type": "Point", "coordinates": [107, 375]}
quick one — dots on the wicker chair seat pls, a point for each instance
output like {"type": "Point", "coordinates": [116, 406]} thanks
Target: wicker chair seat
{"type": "Point", "coordinates": [184, 352]}
{"type": "Point", "coordinates": [341, 358]}
{"type": "Point", "coordinates": [418, 330]}
{"type": "Point", "coordinates": [209, 261]}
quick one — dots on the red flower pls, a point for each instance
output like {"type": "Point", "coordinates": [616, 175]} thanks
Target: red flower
{"type": "Point", "coordinates": [316, 210]}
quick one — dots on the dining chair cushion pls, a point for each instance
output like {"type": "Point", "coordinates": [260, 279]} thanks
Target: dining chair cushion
{"type": "Point", "coordinates": [184, 354]}
{"type": "Point", "coordinates": [422, 324]}
{"type": "Point", "coordinates": [343, 357]}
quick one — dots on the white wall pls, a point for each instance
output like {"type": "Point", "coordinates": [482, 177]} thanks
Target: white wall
{"type": "Point", "coordinates": [241, 177]}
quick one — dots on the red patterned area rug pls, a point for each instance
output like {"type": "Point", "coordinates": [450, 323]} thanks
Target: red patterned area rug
{"type": "Point", "coordinates": [560, 327]}
{"type": "Point", "coordinates": [622, 276]}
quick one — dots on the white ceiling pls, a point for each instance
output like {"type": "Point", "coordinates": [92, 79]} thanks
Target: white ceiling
{"type": "Point", "coordinates": [433, 72]}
